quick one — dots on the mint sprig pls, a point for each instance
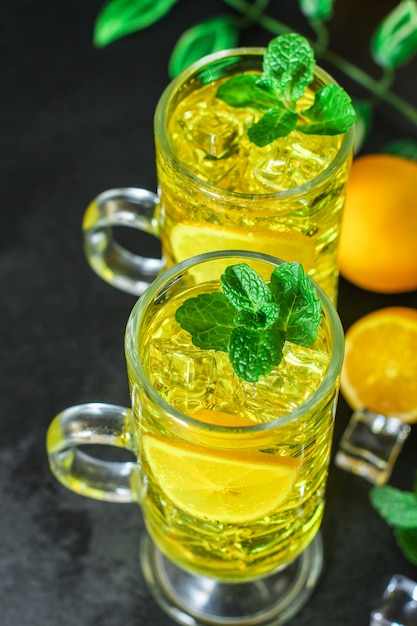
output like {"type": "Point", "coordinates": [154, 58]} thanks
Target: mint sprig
{"type": "Point", "coordinates": [399, 509]}
{"type": "Point", "coordinates": [287, 70]}
{"type": "Point", "coordinates": [251, 320]}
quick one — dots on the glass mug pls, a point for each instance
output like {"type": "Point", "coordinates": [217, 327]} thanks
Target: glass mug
{"type": "Point", "coordinates": [232, 502]}
{"type": "Point", "coordinates": [217, 191]}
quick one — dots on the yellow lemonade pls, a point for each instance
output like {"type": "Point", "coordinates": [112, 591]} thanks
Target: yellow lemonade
{"type": "Point", "coordinates": [284, 199]}
{"type": "Point", "coordinates": [221, 492]}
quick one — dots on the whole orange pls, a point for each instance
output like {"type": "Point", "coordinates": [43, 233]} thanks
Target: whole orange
{"type": "Point", "coordinates": [378, 244]}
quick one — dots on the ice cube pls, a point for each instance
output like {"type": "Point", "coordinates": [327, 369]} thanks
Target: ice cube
{"type": "Point", "coordinates": [288, 386]}
{"type": "Point", "coordinates": [214, 135]}
{"type": "Point", "coordinates": [182, 374]}
{"type": "Point", "coordinates": [290, 163]}
{"type": "Point", "coordinates": [398, 605]}
{"type": "Point", "coordinates": [370, 445]}
{"type": "Point", "coordinates": [224, 396]}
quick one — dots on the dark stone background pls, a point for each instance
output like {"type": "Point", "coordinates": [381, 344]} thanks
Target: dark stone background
{"type": "Point", "coordinates": [74, 121]}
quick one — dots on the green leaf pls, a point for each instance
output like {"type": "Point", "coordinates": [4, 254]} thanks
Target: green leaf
{"type": "Point", "coordinates": [363, 123]}
{"type": "Point", "coordinates": [321, 10]}
{"type": "Point", "coordinates": [270, 312]}
{"type": "Point", "coordinates": [267, 315]}
{"type": "Point", "coordinates": [289, 61]}
{"type": "Point", "coordinates": [300, 309]}
{"type": "Point", "coordinates": [288, 68]}
{"type": "Point", "coordinates": [255, 353]}
{"type": "Point", "coordinates": [216, 33]}
{"type": "Point", "coordinates": [398, 508]}
{"type": "Point", "coordinates": [209, 318]}
{"type": "Point", "coordinates": [119, 18]}
{"type": "Point", "coordinates": [244, 288]}
{"type": "Point", "coordinates": [251, 320]}
{"type": "Point", "coordinates": [331, 113]}
{"type": "Point", "coordinates": [276, 122]}
{"type": "Point", "coordinates": [407, 540]}
{"type": "Point", "coordinates": [406, 148]}
{"type": "Point", "coordinates": [243, 91]}
{"type": "Point", "coordinates": [395, 40]}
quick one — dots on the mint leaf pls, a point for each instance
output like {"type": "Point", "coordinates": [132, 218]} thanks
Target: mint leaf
{"type": "Point", "coordinates": [300, 309]}
{"type": "Point", "coordinates": [395, 40]}
{"type": "Point", "coordinates": [276, 122]}
{"type": "Point", "coordinates": [216, 33]}
{"type": "Point", "coordinates": [243, 90]}
{"type": "Point", "coordinates": [244, 288]}
{"type": "Point", "coordinates": [407, 540]}
{"type": "Point", "coordinates": [332, 112]}
{"type": "Point", "coordinates": [209, 319]}
{"type": "Point", "coordinates": [251, 320]}
{"type": "Point", "coordinates": [267, 315]}
{"type": "Point", "coordinates": [254, 353]}
{"type": "Point", "coordinates": [321, 10]}
{"type": "Point", "coordinates": [406, 148]}
{"type": "Point", "coordinates": [119, 18]}
{"type": "Point", "coordinates": [288, 68]}
{"type": "Point", "coordinates": [289, 61]}
{"type": "Point", "coordinates": [398, 508]}
{"type": "Point", "coordinates": [363, 122]}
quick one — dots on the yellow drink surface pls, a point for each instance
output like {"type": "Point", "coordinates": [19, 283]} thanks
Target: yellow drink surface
{"type": "Point", "coordinates": [244, 208]}
{"type": "Point", "coordinates": [232, 503]}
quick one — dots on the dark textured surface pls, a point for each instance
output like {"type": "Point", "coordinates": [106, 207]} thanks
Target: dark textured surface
{"type": "Point", "coordinates": [74, 121]}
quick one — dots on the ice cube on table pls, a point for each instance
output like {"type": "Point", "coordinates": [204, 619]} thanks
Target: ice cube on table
{"type": "Point", "coordinates": [371, 444]}
{"type": "Point", "coordinates": [398, 606]}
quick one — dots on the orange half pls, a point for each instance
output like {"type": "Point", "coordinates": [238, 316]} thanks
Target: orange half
{"type": "Point", "coordinates": [380, 367]}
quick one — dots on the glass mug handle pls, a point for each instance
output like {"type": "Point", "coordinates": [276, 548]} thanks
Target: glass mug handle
{"type": "Point", "coordinates": [81, 472]}
{"type": "Point", "coordinates": [131, 207]}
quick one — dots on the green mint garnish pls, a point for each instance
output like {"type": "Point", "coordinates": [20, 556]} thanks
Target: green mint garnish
{"type": "Point", "coordinates": [399, 509]}
{"type": "Point", "coordinates": [288, 68]}
{"type": "Point", "coordinates": [251, 320]}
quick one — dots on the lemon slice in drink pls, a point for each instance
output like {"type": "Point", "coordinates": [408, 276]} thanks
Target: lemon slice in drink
{"type": "Point", "coordinates": [220, 418]}
{"type": "Point", "coordinates": [190, 239]}
{"type": "Point", "coordinates": [230, 486]}
{"type": "Point", "coordinates": [221, 439]}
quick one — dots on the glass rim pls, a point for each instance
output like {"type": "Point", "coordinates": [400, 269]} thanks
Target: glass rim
{"type": "Point", "coordinates": [159, 286]}
{"type": "Point", "coordinates": [212, 190]}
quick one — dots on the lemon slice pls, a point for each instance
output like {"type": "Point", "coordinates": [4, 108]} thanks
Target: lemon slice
{"type": "Point", "coordinates": [220, 439]}
{"type": "Point", "coordinates": [220, 418]}
{"type": "Point", "coordinates": [380, 366]}
{"type": "Point", "coordinates": [230, 486]}
{"type": "Point", "coordinates": [189, 239]}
